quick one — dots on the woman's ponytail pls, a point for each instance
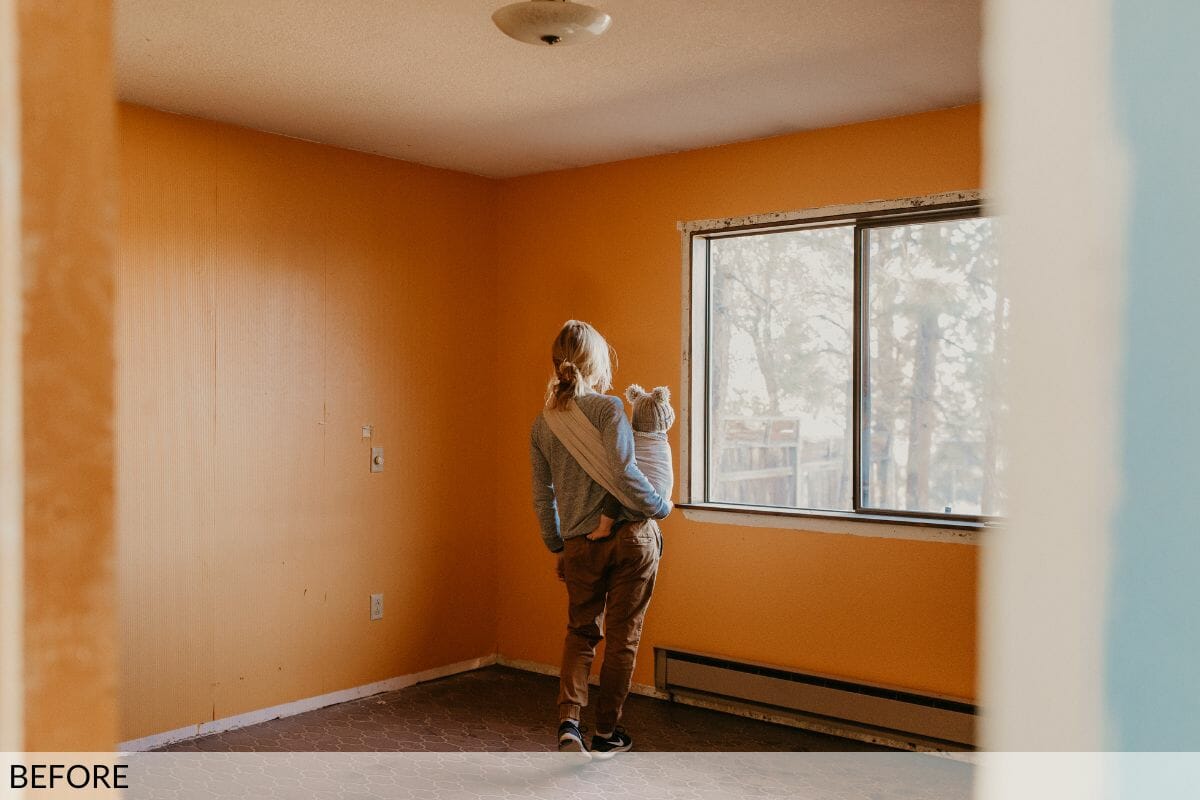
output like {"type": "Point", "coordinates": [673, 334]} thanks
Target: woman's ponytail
{"type": "Point", "coordinates": [568, 373]}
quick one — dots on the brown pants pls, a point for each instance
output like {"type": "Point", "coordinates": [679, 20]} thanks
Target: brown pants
{"type": "Point", "coordinates": [609, 583]}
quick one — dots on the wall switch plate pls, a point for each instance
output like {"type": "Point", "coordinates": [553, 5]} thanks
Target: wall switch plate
{"type": "Point", "coordinates": [377, 606]}
{"type": "Point", "coordinates": [376, 459]}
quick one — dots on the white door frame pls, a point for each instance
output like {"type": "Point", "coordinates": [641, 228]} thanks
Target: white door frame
{"type": "Point", "coordinates": [12, 593]}
{"type": "Point", "coordinates": [1057, 173]}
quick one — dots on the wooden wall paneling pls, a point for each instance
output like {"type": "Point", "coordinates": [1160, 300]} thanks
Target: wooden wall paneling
{"type": "Point", "coordinates": [270, 431]}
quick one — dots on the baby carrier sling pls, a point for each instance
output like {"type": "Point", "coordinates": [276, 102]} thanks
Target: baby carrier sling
{"type": "Point", "coordinates": [583, 442]}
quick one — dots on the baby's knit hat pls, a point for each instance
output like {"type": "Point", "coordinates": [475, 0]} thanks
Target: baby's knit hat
{"type": "Point", "coordinates": [652, 410]}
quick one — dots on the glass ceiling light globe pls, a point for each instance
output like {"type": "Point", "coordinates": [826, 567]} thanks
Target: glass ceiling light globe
{"type": "Point", "coordinates": [551, 22]}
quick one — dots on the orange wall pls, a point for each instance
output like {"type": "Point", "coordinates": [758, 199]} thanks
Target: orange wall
{"type": "Point", "coordinates": [273, 297]}
{"type": "Point", "coordinates": [600, 244]}
{"type": "Point", "coordinates": [67, 208]}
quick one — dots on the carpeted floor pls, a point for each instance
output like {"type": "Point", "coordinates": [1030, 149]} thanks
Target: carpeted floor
{"type": "Point", "coordinates": [501, 709]}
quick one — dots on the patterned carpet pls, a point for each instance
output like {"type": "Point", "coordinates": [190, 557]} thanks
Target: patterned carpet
{"type": "Point", "coordinates": [501, 709]}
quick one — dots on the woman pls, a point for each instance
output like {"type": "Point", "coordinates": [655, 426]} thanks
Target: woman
{"type": "Point", "coordinates": [609, 581]}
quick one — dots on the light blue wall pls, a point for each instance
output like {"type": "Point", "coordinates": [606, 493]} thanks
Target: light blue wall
{"type": "Point", "coordinates": [1153, 662]}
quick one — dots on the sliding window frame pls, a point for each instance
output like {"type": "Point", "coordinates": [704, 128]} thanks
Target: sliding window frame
{"type": "Point", "coordinates": [862, 322]}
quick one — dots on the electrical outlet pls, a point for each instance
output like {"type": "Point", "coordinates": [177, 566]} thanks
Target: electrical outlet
{"type": "Point", "coordinates": [377, 606]}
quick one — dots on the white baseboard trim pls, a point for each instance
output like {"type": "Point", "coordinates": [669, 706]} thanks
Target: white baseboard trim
{"type": "Point", "coordinates": [156, 740]}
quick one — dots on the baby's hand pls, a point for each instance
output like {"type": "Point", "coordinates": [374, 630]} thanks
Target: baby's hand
{"type": "Point", "coordinates": [604, 528]}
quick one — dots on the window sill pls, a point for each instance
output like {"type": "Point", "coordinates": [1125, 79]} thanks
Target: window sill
{"type": "Point", "coordinates": [876, 525]}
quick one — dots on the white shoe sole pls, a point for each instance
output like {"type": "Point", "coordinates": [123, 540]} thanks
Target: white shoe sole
{"type": "Point", "coordinates": [601, 755]}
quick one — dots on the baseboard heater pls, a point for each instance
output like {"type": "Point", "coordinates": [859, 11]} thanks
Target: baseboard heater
{"type": "Point", "coordinates": [886, 709]}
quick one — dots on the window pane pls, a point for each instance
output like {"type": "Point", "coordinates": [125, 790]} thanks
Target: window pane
{"type": "Point", "coordinates": [780, 369]}
{"type": "Point", "coordinates": [936, 335]}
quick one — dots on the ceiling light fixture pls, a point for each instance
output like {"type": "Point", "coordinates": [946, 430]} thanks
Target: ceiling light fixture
{"type": "Point", "coordinates": [551, 22]}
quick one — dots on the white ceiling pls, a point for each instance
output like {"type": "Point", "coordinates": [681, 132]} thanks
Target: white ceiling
{"type": "Point", "coordinates": [433, 81]}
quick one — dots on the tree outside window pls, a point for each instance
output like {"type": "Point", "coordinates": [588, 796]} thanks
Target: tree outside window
{"type": "Point", "coordinates": [782, 357]}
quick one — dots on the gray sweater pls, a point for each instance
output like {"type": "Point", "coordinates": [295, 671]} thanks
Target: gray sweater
{"type": "Point", "coordinates": [566, 499]}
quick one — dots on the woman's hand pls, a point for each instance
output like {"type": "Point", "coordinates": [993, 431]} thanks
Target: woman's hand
{"type": "Point", "coordinates": [558, 568]}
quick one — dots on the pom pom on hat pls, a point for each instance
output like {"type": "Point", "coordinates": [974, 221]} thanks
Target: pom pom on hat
{"type": "Point", "coordinates": [652, 412]}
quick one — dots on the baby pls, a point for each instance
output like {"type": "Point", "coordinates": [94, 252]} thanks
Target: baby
{"type": "Point", "coordinates": [652, 418]}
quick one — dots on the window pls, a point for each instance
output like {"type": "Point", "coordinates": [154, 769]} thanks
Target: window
{"type": "Point", "coordinates": [847, 363]}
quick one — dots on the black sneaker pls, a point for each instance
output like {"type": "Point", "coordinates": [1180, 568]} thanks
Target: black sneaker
{"type": "Point", "coordinates": [570, 738]}
{"type": "Point", "coordinates": [609, 746]}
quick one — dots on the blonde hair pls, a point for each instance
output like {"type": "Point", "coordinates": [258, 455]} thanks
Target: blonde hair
{"type": "Point", "coordinates": [583, 363]}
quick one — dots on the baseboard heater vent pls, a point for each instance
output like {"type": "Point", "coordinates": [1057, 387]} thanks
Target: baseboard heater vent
{"type": "Point", "coordinates": [925, 716]}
